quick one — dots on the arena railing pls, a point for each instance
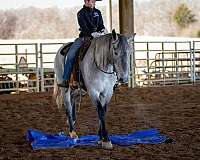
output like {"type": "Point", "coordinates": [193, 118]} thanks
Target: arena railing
{"type": "Point", "coordinates": [18, 63]}
{"type": "Point", "coordinates": [165, 63]}
{"type": "Point", "coordinates": [152, 64]}
{"type": "Point", "coordinates": [47, 55]}
{"type": "Point", "coordinates": [196, 63]}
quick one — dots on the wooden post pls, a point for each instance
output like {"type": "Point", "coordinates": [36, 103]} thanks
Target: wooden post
{"type": "Point", "coordinates": [109, 15]}
{"type": "Point", "coordinates": [126, 26]}
{"type": "Point", "coordinates": [126, 17]}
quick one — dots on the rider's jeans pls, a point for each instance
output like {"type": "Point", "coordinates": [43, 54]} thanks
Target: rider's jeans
{"type": "Point", "coordinates": [71, 58]}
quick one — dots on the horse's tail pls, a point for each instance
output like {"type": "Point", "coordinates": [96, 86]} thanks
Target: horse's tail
{"type": "Point", "coordinates": [58, 68]}
{"type": "Point", "coordinates": [57, 95]}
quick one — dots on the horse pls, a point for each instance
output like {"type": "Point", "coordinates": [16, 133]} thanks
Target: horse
{"type": "Point", "coordinates": [104, 64]}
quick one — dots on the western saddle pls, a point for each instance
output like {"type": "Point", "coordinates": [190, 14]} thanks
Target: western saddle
{"type": "Point", "coordinates": [76, 77]}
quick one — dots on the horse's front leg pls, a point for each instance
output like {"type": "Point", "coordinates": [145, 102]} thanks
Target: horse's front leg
{"type": "Point", "coordinates": [103, 135]}
{"type": "Point", "coordinates": [102, 132]}
{"type": "Point", "coordinates": [69, 113]}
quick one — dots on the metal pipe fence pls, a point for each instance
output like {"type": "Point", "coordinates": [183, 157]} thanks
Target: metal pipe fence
{"type": "Point", "coordinates": [18, 63]}
{"type": "Point", "coordinates": [29, 66]}
{"type": "Point", "coordinates": [166, 63]}
{"type": "Point", "coordinates": [47, 55]}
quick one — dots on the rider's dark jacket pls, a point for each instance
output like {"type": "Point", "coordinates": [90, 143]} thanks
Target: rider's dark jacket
{"type": "Point", "coordinates": [90, 20]}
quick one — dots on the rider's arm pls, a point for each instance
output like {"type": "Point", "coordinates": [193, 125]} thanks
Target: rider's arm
{"type": "Point", "coordinates": [101, 25]}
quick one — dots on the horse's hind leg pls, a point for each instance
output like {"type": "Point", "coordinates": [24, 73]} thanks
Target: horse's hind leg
{"type": "Point", "coordinates": [73, 110]}
{"type": "Point", "coordinates": [69, 112]}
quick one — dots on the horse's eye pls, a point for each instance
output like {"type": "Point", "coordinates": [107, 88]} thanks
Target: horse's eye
{"type": "Point", "coordinates": [116, 53]}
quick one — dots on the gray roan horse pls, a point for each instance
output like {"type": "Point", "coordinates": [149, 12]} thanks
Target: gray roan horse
{"type": "Point", "coordinates": [105, 62]}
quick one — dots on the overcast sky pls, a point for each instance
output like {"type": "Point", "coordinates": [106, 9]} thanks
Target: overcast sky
{"type": "Point", "coordinates": [8, 4]}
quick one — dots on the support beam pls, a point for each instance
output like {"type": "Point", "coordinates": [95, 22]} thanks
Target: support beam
{"type": "Point", "coordinates": [126, 17]}
{"type": "Point", "coordinates": [109, 15]}
{"type": "Point", "coordinates": [126, 26]}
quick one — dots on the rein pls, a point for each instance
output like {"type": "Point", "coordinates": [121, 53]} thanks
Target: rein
{"type": "Point", "coordinates": [113, 72]}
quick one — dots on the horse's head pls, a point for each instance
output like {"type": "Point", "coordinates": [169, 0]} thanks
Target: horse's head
{"type": "Point", "coordinates": [121, 52]}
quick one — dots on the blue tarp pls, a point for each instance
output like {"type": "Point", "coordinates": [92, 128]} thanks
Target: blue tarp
{"type": "Point", "coordinates": [40, 140]}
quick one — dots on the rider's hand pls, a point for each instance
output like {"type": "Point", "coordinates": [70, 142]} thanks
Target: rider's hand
{"type": "Point", "coordinates": [104, 31]}
{"type": "Point", "coordinates": [96, 34]}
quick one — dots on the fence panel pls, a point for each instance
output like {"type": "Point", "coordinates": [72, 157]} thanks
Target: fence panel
{"type": "Point", "coordinates": [29, 66]}
{"type": "Point", "coordinates": [196, 65]}
{"type": "Point", "coordinates": [19, 67]}
{"type": "Point", "coordinates": [163, 63]}
{"type": "Point", "coordinates": [47, 55]}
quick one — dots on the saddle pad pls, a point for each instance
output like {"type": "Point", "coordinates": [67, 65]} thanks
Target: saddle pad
{"type": "Point", "coordinates": [65, 48]}
{"type": "Point", "coordinates": [82, 50]}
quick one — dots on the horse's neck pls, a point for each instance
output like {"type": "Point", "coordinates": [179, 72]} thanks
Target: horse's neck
{"type": "Point", "coordinates": [103, 53]}
{"type": "Point", "coordinates": [94, 61]}
{"type": "Point", "coordinates": [95, 77]}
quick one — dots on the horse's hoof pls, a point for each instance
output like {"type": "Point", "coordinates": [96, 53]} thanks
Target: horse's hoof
{"type": "Point", "coordinates": [107, 145]}
{"type": "Point", "coordinates": [73, 135]}
{"type": "Point", "coordinates": [99, 142]}
{"type": "Point", "coordinates": [74, 122]}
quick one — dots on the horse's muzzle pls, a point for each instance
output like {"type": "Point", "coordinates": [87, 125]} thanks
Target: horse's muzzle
{"type": "Point", "coordinates": [123, 80]}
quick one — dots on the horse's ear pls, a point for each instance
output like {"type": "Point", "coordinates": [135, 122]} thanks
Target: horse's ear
{"type": "Point", "coordinates": [131, 37]}
{"type": "Point", "coordinates": [114, 35]}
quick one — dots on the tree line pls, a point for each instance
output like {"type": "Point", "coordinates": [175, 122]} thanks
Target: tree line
{"type": "Point", "coordinates": [155, 18]}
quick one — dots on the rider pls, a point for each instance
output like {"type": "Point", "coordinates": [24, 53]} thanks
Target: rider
{"type": "Point", "coordinates": [91, 25]}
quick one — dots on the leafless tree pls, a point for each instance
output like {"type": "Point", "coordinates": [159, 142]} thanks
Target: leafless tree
{"type": "Point", "coordinates": [153, 17]}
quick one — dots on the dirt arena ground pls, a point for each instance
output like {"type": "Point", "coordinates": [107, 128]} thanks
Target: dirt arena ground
{"type": "Point", "coordinates": [174, 111]}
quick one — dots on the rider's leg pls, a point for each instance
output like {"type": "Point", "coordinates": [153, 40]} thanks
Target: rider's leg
{"type": "Point", "coordinates": [70, 60]}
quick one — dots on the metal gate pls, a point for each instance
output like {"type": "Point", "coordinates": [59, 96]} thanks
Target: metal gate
{"type": "Point", "coordinates": [19, 69]}
{"type": "Point", "coordinates": [29, 66]}
{"type": "Point", "coordinates": [47, 55]}
{"type": "Point", "coordinates": [165, 63]}
{"type": "Point", "coordinates": [196, 63]}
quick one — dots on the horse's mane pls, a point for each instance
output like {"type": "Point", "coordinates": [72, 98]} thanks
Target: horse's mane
{"type": "Point", "coordinates": [102, 51]}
